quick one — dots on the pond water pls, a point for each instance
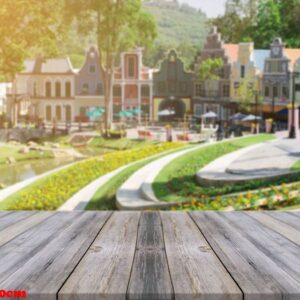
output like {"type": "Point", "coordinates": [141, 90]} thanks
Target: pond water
{"type": "Point", "coordinates": [11, 174]}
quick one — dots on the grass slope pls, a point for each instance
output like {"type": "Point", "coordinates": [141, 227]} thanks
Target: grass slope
{"type": "Point", "coordinates": [177, 181]}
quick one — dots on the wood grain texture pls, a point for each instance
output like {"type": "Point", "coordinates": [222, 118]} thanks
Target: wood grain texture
{"type": "Point", "coordinates": [9, 219]}
{"type": "Point", "coordinates": [289, 218]}
{"type": "Point", "coordinates": [254, 268]}
{"type": "Point", "coordinates": [277, 225]}
{"type": "Point", "coordinates": [104, 271]}
{"type": "Point", "coordinates": [195, 270]}
{"type": "Point", "coordinates": [10, 232]}
{"type": "Point", "coordinates": [43, 274]}
{"type": "Point", "coordinates": [150, 277]}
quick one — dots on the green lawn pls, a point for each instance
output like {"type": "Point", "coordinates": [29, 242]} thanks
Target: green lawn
{"type": "Point", "coordinates": [296, 166]}
{"type": "Point", "coordinates": [105, 197]}
{"type": "Point", "coordinates": [177, 181]}
{"type": "Point", "coordinates": [13, 151]}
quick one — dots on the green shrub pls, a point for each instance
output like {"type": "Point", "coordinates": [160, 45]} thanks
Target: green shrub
{"type": "Point", "coordinates": [51, 192]}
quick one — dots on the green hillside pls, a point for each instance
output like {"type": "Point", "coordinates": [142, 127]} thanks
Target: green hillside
{"type": "Point", "coordinates": [179, 26]}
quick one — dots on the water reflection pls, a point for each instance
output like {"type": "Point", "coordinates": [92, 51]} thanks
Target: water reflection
{"type": "Point", "coordinates": [11, 174]}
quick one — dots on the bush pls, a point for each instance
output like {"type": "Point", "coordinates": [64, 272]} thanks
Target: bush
{"type": "Point", "coordinates": [51, 192]}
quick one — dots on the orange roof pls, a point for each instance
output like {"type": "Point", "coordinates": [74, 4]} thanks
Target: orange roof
{"type": "Point", "coordinates": [293, 55]}
{"type": "Point", "coordinates": [232, 51]}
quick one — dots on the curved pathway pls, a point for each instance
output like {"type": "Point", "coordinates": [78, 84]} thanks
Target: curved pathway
{"type": "Point", "coordinates": [264, 161]}
{"type": "Point", "coordinates": [137, 193]}
{"type": "Point", "coordinates": [80, 200]}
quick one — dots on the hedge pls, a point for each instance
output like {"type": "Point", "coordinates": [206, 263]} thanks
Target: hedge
{"type": "Point", "coordinates": [51, 192]}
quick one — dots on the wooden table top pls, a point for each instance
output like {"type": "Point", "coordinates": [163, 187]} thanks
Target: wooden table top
{"type": "Point", "coordinates": [151, 255]}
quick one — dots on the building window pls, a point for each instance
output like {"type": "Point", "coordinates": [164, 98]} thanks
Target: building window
{"type": "Point", "coordinates": [83, 111]}
{"type": "Point", "coordinates": [58, 113]}
{"type": "Point", "coordinates": [172, 87]}
{"type": "Point", "coordinates": [145, 91]}
{"type": "Point", "coordinates": [131, 67]}
{"type": "Point", "coordinates": [100, 90]}
{"type": "Point", "coordinates": [297, 87]}
{"type": "Point", "coordinates": [267, 91]}
{"type": "Point", "coordinates": [92, 69]}
{"type": "Point", "coordinates": [161, 87]}
{"type": "Point", "coordinates": [183, 87]}
{"type": "Point", "coordinates": [34, 92]}
{"type": "Point", "coordinates": [117, 91]}
{"type": "Point", "coordinates": [48, 89]}
{"type": "Point", "coordinates": [275, 92]}
{"type": "Point", "coordinates": [68, 113]}
{"type": "Point", "coordinates": [85, 88]}
{"type": "Point", "coordinates": [242, 71]}
{"type": "Point", "coordinates": [285, 92]}
{"type": "Point", "coordinates": [226, 90]}
{"type": "Point", "coordinates": [198, 110]}
{"type": "Point", "coordinates": [68, 89]}
{"type": "Point", "coordinates": [198, 90]}
{"type": "Point", "coordinates": [48, 113]}
{"type": "Point", "coordinates": [57, 89]}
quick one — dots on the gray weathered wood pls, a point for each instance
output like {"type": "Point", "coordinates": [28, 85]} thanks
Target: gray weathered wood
{"type": "Point", "coordinates": [104, 271]}
{"type": "Point", "coordinates": [15, 229]}
{"type": "Point", "coordinates": [257, 274]}
{"type": "Point", "coordinates": [9, 219]}
{"type": "Point", "coordinates": [277, 225]}
{"type": "Point", "coordinates": [195, 270]}
{"type": "Point", "coordinates": [44, 274]}
{"type": "Point", "coordinates": [28, 244]}
{"type": "Point", "coordinates": [150, 277]}
{"type": "Point", "coordinates": [289, 218]}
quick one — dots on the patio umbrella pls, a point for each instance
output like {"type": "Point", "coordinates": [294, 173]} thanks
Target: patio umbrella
{"type": "Point", "coordinates": [96, 112]}
{"type": "Point", "coordinates": [250, 118]}
{"type": "Point", "coordinates": [125, 114]}
{"type": "Point", "coordinates": [136, 111]}
{"type": "Point", "coordinates": [166, 112]}
{"type": "Point", "coordinates": [209, 115]}
{"type": "Point", "coordinates": [238, 117]}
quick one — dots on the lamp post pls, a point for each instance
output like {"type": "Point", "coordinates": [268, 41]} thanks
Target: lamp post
{"type": "Point", "coordinates": [273, 108]}
{"type": "Point", "coordinates": [292, 133]}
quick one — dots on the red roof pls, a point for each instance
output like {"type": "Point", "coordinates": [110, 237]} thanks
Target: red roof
{"type": "Point", "coordinates": [232, 51]}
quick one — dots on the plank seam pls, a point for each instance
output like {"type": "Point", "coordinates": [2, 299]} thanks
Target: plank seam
{"type": "Point", "coordinates": [83, 255]}
{"type": "Point", "coordinates": [240, 288]}
{"type": "Point", "coordinates": [133, 259]}
{"type": "Point", "coordinates": [162, 228]}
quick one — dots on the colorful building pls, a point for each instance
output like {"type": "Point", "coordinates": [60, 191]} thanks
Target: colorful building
{"type": "Point", "coordinates": [172, 89]}
{"type": "Point", "coordinates": [214, 95]}
{"type": "Point", "coordinates": [132, 85]}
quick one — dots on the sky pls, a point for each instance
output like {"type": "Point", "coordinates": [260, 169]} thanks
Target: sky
{"type": "Point", "coordinates": [212, 8]}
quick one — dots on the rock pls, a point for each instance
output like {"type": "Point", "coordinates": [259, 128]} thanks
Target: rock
{"type": "Point", "coordinates": [10, 160]}
{"type": "Point", "coordinates": [24, 150]}
{"type": "Point", "coordinates": [55, 146]}
{"type": "Point", "coordinates": [32, 144]}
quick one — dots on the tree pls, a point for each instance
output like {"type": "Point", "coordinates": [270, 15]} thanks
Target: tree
{"type": "Point", "coordinates": [268, 23]}
{"type": "Point", "coordinates": [119, 25]}
{"type": "Point", "coordinates": [210, 69]}
{"type": "Point", "coordinates": [27, 26]}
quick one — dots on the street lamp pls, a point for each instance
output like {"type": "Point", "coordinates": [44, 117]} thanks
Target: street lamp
{"type": "Point", "coordinates": [292, 133]}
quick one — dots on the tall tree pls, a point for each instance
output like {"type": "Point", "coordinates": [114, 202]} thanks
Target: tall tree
{"type": "Point", "coordinates": [26, 26]}
{"type": "Point", "coordinates": [119, 25]}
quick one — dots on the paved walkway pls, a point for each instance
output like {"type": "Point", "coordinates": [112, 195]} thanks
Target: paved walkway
{"type": "Point", "coordinates": [263, 161]}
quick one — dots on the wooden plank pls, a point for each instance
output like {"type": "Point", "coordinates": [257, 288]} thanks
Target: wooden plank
{"type": "Point", "coordinates": [14, 230]}
{"type": "Point", "coordinates": [44, 273]}
{"type": "Point", "coordinates": [195, 270]}
{"type": "Point", "coordinates": [19, 250]}
{"type": "Point", "coordinates": [4, 213]}
{"type": "Point", "coordinates": [289, 218]}
{"type": "Point", "coordinates": [257, 273]}
{"type": "Point", "coordinates": [150, 277]}
{"type": "Point", "coordinates": [277, 225]}
{"type": "Point", "coordinates": [104, 271]}
{"type": "Point", "coordinates": [14, 217]}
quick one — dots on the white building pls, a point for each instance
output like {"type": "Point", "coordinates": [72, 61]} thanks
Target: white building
{"type": "Point", "coordinates": [3, 98]}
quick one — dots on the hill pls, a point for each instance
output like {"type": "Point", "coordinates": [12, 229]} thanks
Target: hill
{"type": "Point", "coordinates": [180, 27]}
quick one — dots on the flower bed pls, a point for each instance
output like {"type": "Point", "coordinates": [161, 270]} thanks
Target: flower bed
{"type": "Point", "coordinates": [272, 198]}
{"type": "Point", "coordinates": [51, 192]}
